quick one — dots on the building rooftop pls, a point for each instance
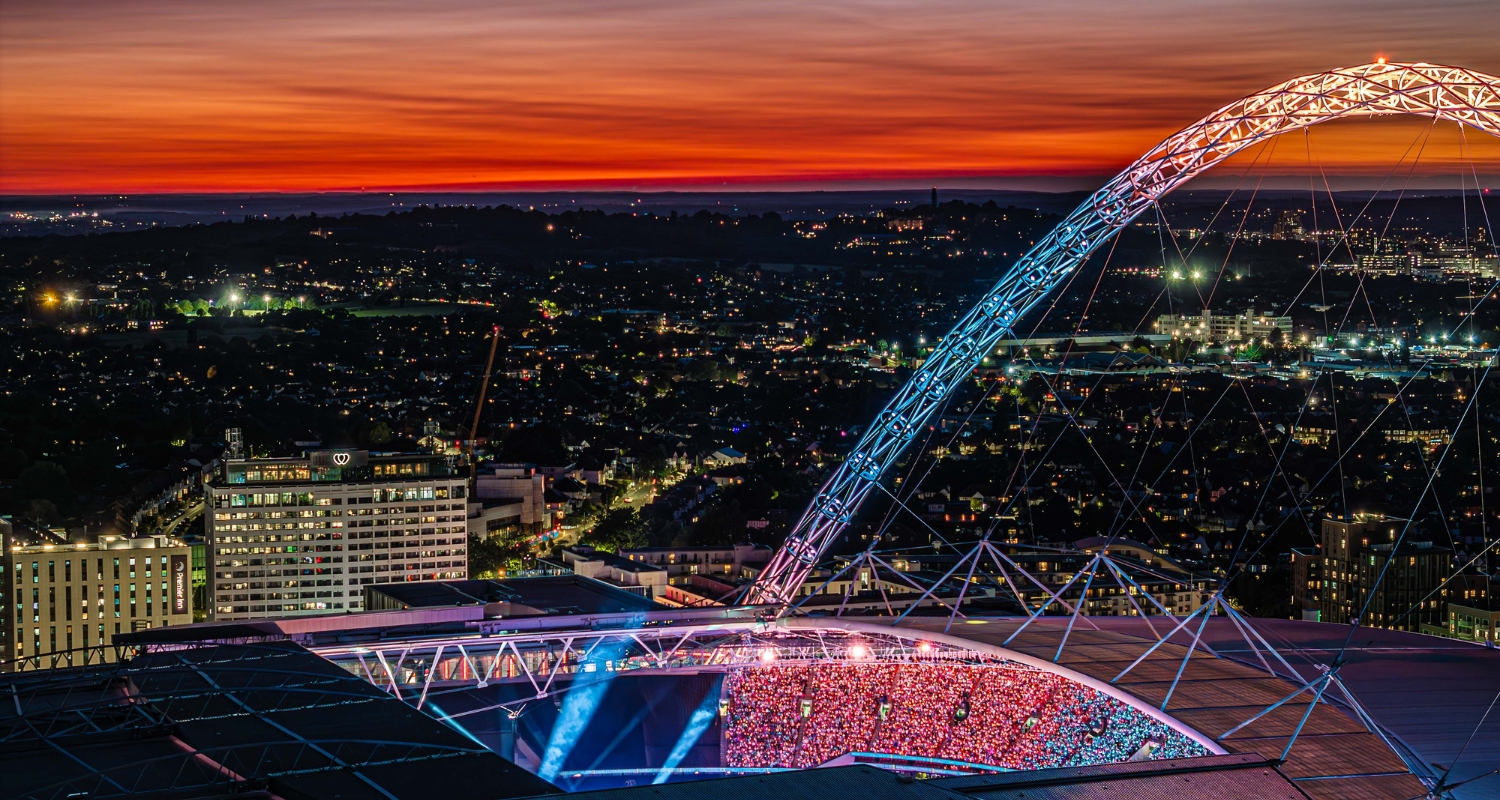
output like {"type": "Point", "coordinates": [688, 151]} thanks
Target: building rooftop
{"type": "Point", "coordinates": [106, 542]}
{"type": "Point", "coordinates": [615, 562]}
{"type": "Point", "coordinates": [335, 466]}
{"type": "Point", "coordinates": [559, 594]}
{"type": "Point", "coordinates": [711, 548]}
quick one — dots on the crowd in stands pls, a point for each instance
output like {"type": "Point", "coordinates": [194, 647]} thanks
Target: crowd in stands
{"type": "Point", "coordinates": [1009, 716]}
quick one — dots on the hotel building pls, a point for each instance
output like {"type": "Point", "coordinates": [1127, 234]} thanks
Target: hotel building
{"type": "Point", "coordinates": [64, 599]}
{"type": "Point", "coordinates": [300, 536]}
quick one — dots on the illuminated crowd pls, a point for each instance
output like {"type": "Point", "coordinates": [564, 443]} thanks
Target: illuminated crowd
{"type": "Point", "coordinates": [1008, 716]}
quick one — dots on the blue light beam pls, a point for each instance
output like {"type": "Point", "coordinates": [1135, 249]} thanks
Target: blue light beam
{"type": "Point", "coordinates": [697, 724]}
{"type": "Point", "coordinates": [580, 704]}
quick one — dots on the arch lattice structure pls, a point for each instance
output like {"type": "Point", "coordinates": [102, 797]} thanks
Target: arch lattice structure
{"type": "Point", "coordinates": [1443, 93]}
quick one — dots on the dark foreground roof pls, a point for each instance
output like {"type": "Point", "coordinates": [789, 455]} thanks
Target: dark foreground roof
{"type": "Point", "coordinates": [1232, 777]}
{"type": "Point", "coordinates": [233, 720]}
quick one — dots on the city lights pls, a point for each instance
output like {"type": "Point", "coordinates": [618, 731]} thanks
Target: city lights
{"type": "Point", "coordinates": [664, 497]}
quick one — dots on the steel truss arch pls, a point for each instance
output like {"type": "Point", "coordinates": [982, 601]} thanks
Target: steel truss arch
{"type": "Point", "coordinates": [1440, 92]}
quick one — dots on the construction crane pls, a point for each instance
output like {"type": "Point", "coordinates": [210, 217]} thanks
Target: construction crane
{"type": "Point", "coordinates": [484, 386]}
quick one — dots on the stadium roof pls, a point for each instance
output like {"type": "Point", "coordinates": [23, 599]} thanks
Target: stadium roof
{"type": "Point", "coordinates": [1234, 777]}
{"type": "Point", "coordinates": [1428, 693]}
{"type": "Point", "coordinates": [230, 720]}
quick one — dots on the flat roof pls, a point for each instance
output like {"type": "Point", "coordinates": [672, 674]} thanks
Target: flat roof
{"type": "Point", "coordinates": [549, 594]}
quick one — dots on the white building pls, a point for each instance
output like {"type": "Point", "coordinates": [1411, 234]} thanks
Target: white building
{"type": "Point", "coordinates": [1208, 326]}
{"type": "Point", "coordinates": [509, 495]}
{"type": "Point", "coordinates": [296, 536]}
{"type": "Point", "coordinates": [645, 579]}
{"type": "Point", "coordinates": [726, 456]}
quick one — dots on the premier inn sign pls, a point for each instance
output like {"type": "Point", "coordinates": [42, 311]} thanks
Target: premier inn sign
{"type": "Point", "coordinates": [339, 458]}
{"type": "Point", "coordinates": [179, 570]}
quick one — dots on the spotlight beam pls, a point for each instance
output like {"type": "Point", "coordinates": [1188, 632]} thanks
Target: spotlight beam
{"type": "Point", "coordinates": [697, 724]}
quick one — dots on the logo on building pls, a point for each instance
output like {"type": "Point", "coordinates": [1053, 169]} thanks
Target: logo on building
{"type": "Point", "coordinates": [179, 584]}
{"type": "Point", "coordinates": [325, 459]}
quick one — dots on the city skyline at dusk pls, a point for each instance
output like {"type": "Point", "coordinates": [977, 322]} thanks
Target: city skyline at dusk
{"type": "Point", "coordinates": [174, 97]}
{"type": "Point", "coordinates": [627, 400]}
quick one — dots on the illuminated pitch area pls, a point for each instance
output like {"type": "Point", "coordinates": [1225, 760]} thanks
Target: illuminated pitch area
{"type": "Point", "coordinates": [1005, 716]}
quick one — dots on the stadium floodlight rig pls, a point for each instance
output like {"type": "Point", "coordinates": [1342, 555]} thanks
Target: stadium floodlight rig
{"type": "Point", "coordinates": [1442, 93]}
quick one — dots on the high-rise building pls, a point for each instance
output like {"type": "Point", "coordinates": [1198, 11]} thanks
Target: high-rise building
{"type": "Point", "coordinates": [297, 536]}
{"type": "Point", "coordinates": [1356, 551]}
{"type": "Point", "coordinates": [63, 599]}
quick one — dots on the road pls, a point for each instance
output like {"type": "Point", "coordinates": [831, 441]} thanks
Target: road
{"type": "Point", "coordinates": [185, 517]}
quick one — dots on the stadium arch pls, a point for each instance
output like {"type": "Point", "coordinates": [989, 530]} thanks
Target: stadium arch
{"type": "Point", "coordinates": [1378, 89]}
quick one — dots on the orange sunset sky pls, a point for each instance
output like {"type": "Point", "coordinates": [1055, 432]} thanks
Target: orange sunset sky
{"type": "Point", "coordinates": [266, 95]}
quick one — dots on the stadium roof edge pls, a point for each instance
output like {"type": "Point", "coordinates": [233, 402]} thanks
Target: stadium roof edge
{"type": "Point", "coordinates": [1218, 777]}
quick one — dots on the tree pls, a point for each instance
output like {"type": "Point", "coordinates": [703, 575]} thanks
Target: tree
{"type": "Point", "coordinates": [379, 433]}
{"type": "Point", "coordinates": [12, 461]}
{"type": "Point", "coordinates": [43, 511]}
{"type": "Point", "coordinates": [619, 530]}
{"type": "Point", "coordinates": [507, 550]}
{"type": "Point", "coordinates": [45, 480]}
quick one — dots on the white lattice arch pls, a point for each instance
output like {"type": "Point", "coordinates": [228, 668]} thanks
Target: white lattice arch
{"type": "Point", "coordinates": [1445, 93]}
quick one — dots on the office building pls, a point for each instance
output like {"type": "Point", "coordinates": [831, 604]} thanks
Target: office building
{"type": "Point", "coordinates": [297, 536]}
{"type": "Point", "coordinates": [64, 599]}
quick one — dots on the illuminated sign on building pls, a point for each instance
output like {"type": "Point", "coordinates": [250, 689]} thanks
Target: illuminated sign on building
{"type": "Point", "coordinates": [338, 458]}
{"type": "Point", "coordinates": [179, 584]}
